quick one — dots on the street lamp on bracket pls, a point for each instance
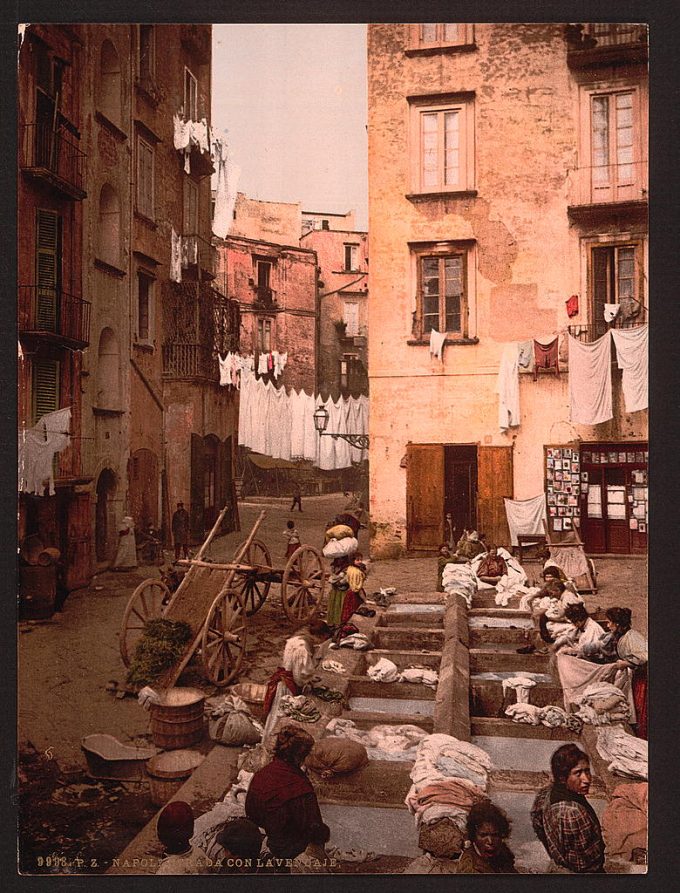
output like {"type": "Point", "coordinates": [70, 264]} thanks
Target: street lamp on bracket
{"type": "Point", "coordinates": [321, 416]}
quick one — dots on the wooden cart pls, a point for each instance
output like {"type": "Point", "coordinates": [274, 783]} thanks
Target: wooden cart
{"type": "Point", "coordinates": [570, 546]}
{"type": "Point", "coordinates": [216, 600]}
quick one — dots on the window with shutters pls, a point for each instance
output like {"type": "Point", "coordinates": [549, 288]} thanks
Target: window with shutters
{"type": "Point", "coordinates": [351, 257]}
{"type": "Point", "coordinates": [108, 88]}
{"type": "Point", "coordinates": [145, 283]}
{"type": "Point", "coordinates": [616, 277]}
{"type": "Point", "coordinates": [440, 35]}
{"type": "Point", "coordinates": [45, 388]}
{"type": "Point", "coordinates": [442, 144]}
{"type": "Point", "coordinates": [48, 271]}
{"type": "Point", "coordinates": [350, 317]}
{"type": "Point", "coordinates": [442, 294]}
{"type": "Point", "coordinates": [108, 234]}
{"type": "Point", "coordinates": [146, 60]}
{"type": "Point", "coordinates": [190, 221]}
{"type": "Point", "coordinates": [190, 96]}
{"type": "Point", "coordinates": [145, 178]}
{"type": "Point", "coordinates": [264, 335]}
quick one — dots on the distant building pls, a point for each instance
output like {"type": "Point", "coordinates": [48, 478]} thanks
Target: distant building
{"type": "Point", "coordinates": [507, 173]}
{"type": "Point", "coordinates": [343, 304]}
{"type": "Point", "coordinates": [102, 188]}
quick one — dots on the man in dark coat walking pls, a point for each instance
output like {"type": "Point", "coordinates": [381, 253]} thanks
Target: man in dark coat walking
{"type": "Point", "coordinates": [180, 530]}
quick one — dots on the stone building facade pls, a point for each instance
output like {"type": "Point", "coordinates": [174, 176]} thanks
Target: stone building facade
{"type": "Point", "coordinates": [507, 173]}
{"type": "Point", "coordinates": [151, 426]}
{"type": "Point", "coordinates": [342, 255]}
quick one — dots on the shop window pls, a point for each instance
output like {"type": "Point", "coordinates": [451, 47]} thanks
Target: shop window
{"type": "Point", "coordinates": [442, 140]}
{"type": "Point", "coordinates": [431, 35]}
{"type": "Point", "coordinates": [109, 94]}
{"type": "Point", "coordinates": [190, 96]}
{"type": "Point", "coordinates": [108, 233]}
{"type": "Point", "coordinates": [442, 301]}
{"type": "Point", "coordinates": [145, 178]}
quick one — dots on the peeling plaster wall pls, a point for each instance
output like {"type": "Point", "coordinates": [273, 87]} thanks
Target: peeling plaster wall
{"type": "Point", "coordinates": [526, 260]}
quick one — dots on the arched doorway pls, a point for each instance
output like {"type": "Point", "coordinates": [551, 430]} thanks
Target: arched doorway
{"type": "Point", "coordinates": [105, 522]}
{"type": "Point", "coordinates": [143, 477]}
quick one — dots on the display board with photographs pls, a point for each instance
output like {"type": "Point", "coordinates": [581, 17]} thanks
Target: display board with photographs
{"type": "Point", "coordinates": [562, 486]}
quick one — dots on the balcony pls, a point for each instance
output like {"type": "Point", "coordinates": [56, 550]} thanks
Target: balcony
{"type": "Point", "coordinates": [50, 156]}
{"type": "Point", "coordinates": [606, 43]}
{"type": "Point", "coordinates": [265, 299]}
{"type": "Point", "coordinates": [50, 314]}
{"type": "Point", "coordinates": [589, 333]}
{"type": "Point", "coordinates": [199, 257]}
{"type": "Point", "coordinates": [189, 361]}
{"type": "Point", "coordinates": [594, 192]}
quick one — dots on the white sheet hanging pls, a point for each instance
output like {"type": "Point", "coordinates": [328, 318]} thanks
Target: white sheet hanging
{"type": "Point", "coordinates": [507, 387]}
{"type": "Point", "coordinates": [525, 516]}
{"type": "Point", "coordinates": [590, 381]}
{"type": "Point", "coordinates": [437, 340]}
{"type": "Point", "coordinates": [175, 256]}
{"type": "Point", "coordinates": [632, 357]}
{"type": "Point", "coordinates": [610, 311]}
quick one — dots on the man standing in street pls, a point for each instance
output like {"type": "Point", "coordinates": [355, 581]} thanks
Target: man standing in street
{"type": "Point", "coordinates": [564, 821]}
{"type": "Point", "coordinates": [180, 530]}
{"type": "Point", "coordinates": [297, 497]}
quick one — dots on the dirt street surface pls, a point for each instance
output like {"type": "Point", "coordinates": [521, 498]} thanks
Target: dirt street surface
{"type": "Point", "coordinates": [65, 664]}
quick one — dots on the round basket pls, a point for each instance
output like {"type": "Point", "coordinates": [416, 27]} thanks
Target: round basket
{"type": "Point", "coordinates": [251, 692]}
{"type": "Point", "coordinates": [168, 771]}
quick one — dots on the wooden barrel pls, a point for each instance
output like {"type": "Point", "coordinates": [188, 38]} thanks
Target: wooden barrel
{"type": "Point", "coordinates": [48, 556]}
{"type": "Point", "coordinates": [168, 772]}
{"type": "Point", "coordinates": [178, 720]}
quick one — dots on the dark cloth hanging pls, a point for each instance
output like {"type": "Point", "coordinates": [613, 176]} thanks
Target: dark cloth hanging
{"type": "Point", "coordinates": [572, 306]}
{"type": "Point", "coordinates": [546, 356]}
{"type": "Point", "coordinates": [279, 675]}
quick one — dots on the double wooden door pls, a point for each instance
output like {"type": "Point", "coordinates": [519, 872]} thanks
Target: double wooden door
{"type": "Point", "coordinates": [426, 496]}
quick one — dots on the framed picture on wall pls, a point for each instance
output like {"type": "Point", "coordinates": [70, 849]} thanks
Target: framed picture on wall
{"type": "Point", "coordinates": [566, 524]}
{"type": "Point", "coordinates": [584, 477]}
{"type": "Point", "coordinates": [587, 458]}
{"type": "Point", "coordinates": [557, 524]}
{"type": "Point", "coordinates": [552, 510]}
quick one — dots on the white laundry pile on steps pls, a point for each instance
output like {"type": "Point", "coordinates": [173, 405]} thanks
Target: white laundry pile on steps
{"type": "Point", "coordinates": [522, 685]}
{"type": "Point", "coordinates": [448, 776]}
{"type": "Point", "coordinates": [459, 579]}
{"type": "Point", "coordinates": [333, 666]}
{"type": "Point", "coordinates": [387, 671]}
{"type": "Point", "coordinates": [603, 703]}
{"type": "Point", "coordinates": [625, 754]}
{"type": "Point", "coordinates": [383, 671]}
{"type": "Point", "coordinates": [551, 716]}
{"type": "Point", "coordinates": [382, 742]}
{"type": "Point", "coordinates": [510, 585]}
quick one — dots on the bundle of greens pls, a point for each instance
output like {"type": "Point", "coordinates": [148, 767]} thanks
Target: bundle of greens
{"type": "Point", "coordinates": [161, 645]}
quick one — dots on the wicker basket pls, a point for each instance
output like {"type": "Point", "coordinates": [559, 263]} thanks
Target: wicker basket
{"type": "Point", "coordinates": [251, 692]}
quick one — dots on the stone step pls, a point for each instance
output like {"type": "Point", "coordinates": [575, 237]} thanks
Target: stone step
{"type": "Point", "coordinates": [384, 782]}
{"type": "Point", "coordinates": [428, 619]}
{"type": "Point", "coordinates": [503, 658]}
{"type": "Point", "coordinates": [506, 728]}
{"type": "Point", "coordinates": [487, 697]}
{"type": "Point", "coordinates": [499, 612]}
{"type": "Point", "coordinates": [419, 598]}
{"type": "Point", "coordinates": [402, 659]}
{"type": "Point", "coordinates": [367, 719]}
{"type": "Point", "coordinates": [365, 687]}
{"type": "Point", "coordinates": [408, 638]}
{"type": "Point", "coordinates": [497, 635]}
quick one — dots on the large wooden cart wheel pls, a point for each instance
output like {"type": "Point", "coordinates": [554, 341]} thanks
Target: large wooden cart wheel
{"type": "Point", "coordinates": [303, 583]}
{"type": "Point", "coordinates": [223, 642]}
{"type": "Point", "coordinates": [146, 603]}
{"type": "Point", "coordinates": [253, 592]}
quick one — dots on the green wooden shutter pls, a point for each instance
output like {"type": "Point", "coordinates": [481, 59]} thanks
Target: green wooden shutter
{"type": "Point", "coordinates": [45, 387]}
{"type": "Point", "coordinates": [47, 270]}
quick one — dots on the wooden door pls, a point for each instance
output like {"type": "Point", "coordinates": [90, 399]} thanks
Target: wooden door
{"type": "Point", "coordinates": [593, 522]}
{"type": "Point", "coordinates": [76, 547]}
{"type": "Point", "coordinates": [143, 476]}
{"type": "Point", "coordinates": [494, 483]}
{"type": "Point", "coordinates": [425, 496]}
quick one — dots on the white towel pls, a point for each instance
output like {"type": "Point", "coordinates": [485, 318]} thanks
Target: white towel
{"type": "Point", "coordinates": [508, 387]}
{"type": "Point", "coordinates": [610, 311]}
{"type": "Point", "coordinates": [631, 355]}
{"type": "Point", "coordinates": [437, 340]}
{"type": "Point", "coordinates": [525, 516]}
{"type": "Point", "coordinates": [590, 381]}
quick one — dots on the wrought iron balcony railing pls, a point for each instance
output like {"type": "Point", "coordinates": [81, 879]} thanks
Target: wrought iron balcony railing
{"type": "Point", "coordinates": [591, 332]}
{"type": "Point", "coordinates": [624, 182]}
{"type": "Point", "coordinates": [600, 43]}
{"type": "Point", "coordinates": [51, 156]}
{"type": "Point", "coordinates": [52, 314]}
{"type": "Point", "coordinates": [189, 361]}
{"type": "Point", "coordinates": [198, 253]}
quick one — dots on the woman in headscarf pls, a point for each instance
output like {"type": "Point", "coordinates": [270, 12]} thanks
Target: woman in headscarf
{"type": "Point", "coordinates": [281, 799]}
{"type": "Point", "coordinates": [175, 828]}
{"type": "Point", "coordinates": [631, 653]}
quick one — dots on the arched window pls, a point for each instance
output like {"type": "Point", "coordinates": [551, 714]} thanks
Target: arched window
{"type": "Point", "coordinates": [108, 372]}
{"type": "Point", "coordinates": [108, 88]}
{"type": "Point", "coordinates": [108, 236]}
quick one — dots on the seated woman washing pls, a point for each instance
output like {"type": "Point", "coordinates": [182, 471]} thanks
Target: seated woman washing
{"type": "Point", "coordinates": [493, 567]}
{"type": "Point", "coordinates": [488, 827]}
{"type": "Point", "coordinates": [625, 649]}
{"type": "Point", "coordinates": [584, 632]}
{"type": "Point", "coordinates": [548, 615]}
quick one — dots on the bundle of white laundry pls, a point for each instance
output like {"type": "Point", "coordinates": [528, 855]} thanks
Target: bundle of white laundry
{"type": "Point", "coordinates": [603, 703]}
{"type": "Point", "coordinates": [521, 685]}
{"type": "Point", "coordinates": [382, 742]}
{"type": "Point", "coordinates": [385, 670]}
{"type": "Point", "coordinates": [511, 584]}
{"type": "Point", "coordinates": [550, 716]}
{"type": "Point", "coordinates": [233, 806]}
{"type": "Point", "coordinates": [448, 776]}
{"type": "Point", "coordinates": [625, 754]}
{"type": "Point", "coordinates": [340, 548]}
{"type": "Point", "coordinates": [459, 579]}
